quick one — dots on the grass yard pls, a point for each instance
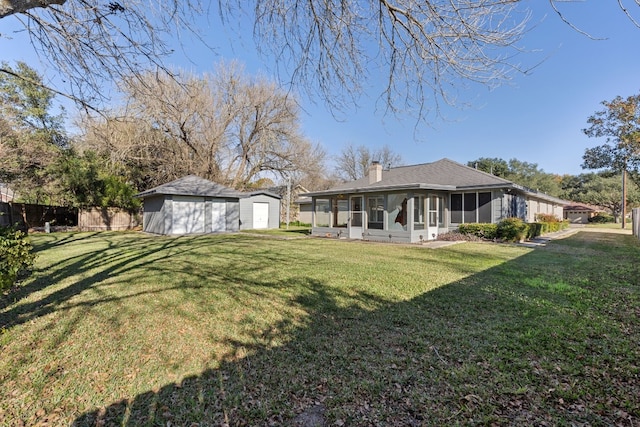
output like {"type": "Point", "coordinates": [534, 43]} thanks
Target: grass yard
{"type": "Point", "coordinates": [130, 329]}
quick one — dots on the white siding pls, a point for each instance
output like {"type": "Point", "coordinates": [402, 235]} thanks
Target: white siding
{"type": "Point", "coordinates": [188, 215]}
{"type": "Point", "coordinates": [218, 215]}
{"type": "Point", "coordinates": [247, 212]}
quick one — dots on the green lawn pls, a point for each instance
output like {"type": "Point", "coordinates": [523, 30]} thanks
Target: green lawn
{"type": "Point", "coordinates": [130, 329]}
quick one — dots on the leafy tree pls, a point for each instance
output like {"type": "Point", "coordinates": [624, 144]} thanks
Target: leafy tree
{"type": "Point", "coordinates": [494, 166]}
{"type": "Point", "coordinates": [619, 124]}
{"type": "Point", "coordinates": [422, 48]}
{"type": "Point", "coordinates": [86, 182]}
{"type": "Point", "coordinates": [354, 161]}
{"type": "Point", "coordinates": [25, 100]}
{"type": "Point", "coordinates": [529, 175]}
{"type": "Point", "coordinates": [31, 137]}
{"type": "Point", "coordinates": [600, 189]}
{"type": "Point", "coordinates": [522, 173]}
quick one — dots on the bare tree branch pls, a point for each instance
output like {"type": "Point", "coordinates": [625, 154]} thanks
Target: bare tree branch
{"type": "Point", "coordinates": [10, 7]}
{"type": "Point", "coordinates": [226, 127]}
{"type": "Point", "coordinates": [427, 51]}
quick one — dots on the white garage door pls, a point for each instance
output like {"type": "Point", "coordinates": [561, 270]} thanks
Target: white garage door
{"type": "Point", "coordinates": [188, 215]}
{"type": "Point", "coordinates": [260, 215]}
{"type": "Point", "coordinates": [218, 216]}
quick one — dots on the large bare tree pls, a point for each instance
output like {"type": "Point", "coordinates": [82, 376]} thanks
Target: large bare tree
{"type": "Point", "coordinates": [91, 43]}
{"type": "Point", "coordinates": [226, 126]}
{"type": "Point", "coordinates": [423, 50]}
{"type": "Point", "coordinates": [354, 161]}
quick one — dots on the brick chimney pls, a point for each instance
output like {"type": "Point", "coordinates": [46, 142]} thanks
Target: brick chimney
{"type": "Point", "coordinates": [375, 172]}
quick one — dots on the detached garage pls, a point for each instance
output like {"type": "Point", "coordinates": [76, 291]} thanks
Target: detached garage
{"type": "Point", "coordinates": [191, 205]}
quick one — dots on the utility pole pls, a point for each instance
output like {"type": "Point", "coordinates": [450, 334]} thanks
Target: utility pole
{"type": "Point", "coordinates": [288, 198]}
{"type": "Point", "coordinates": [624, 196]}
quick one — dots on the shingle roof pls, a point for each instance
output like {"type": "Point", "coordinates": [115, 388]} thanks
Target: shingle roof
{"type": "Point", "coordinates": [192, 185]}
{"type": "Point", "coordinates": [582, 207]}
{"type": "Point", "coordinates": [444, 174]}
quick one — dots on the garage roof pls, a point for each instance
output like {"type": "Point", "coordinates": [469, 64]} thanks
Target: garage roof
{"type": "Point", "coordinates": [192, 185]}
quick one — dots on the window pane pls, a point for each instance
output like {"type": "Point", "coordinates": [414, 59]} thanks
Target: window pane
{"type": "Point", "coordinates": [484, 207]}
{"type": "Point", "coordinates": [341, 213]}
{"type": "Point", "coordinates": [418, 212]}
{"type": "Point", "coordinates": [470, 207]}
{"type": "Point", "coordinates": [433, 211]}
{"type": "Point", "coordinates": [323, 212]}
{"type": "Point", "coordinates": [456, 208]}
{"type": "Point", "coordinates": [440, 211]}
{"type": "Point", "coordinates": [356, 211]}
{"type": "Point", "coordinates": [375, 207]}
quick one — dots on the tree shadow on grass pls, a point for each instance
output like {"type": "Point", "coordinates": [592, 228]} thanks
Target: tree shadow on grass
{"type": "Point", "coordinates": [117, 257]}
{"type": "Point", "coordinates": [470, 352]}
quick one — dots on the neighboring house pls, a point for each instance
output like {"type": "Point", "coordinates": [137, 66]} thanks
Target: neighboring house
{"type": "Point", "coordinates": [289, 196]}
{"type": "Point", "coordinates": [419, 202]}
{"type": "Point", "coordinates": [304, 206]}
{"type": "Point", "coordinates": [192, 205]}
{"type": "Point", "coordinates": [578, 213]}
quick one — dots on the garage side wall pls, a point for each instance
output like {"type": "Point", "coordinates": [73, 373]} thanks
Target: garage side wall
{"type": "Point", "coordinates": [233, 215]}
{"type": "Point", "coordinates": [246, 211]}
{"type": "Point", "coordinates": [153, 219]}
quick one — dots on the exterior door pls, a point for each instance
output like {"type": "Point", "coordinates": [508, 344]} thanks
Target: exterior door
{"type": "Point", "coordinates": [356, 214]}
{"type": "Point", "coordinates": [433, 216]}
{"type": "Point", "coordinates": [187, 215]}
{"type": "Point", "coordinates": [260, 215]}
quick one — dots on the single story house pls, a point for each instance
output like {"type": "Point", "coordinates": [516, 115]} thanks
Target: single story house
{"type": "Point", "coordinates": [289, 196]}
{"type": "Point", "coordinates": [419, 202]}
{"type": "Point", "coordinates": [192, 205]}
{"type": "Point", "coordinates": [579, 213]}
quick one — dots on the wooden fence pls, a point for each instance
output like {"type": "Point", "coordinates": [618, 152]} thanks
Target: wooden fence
{"type": "Point", "coordinates": [102, 219]}
{"type": "Point", "coordinates": [26, 216]}
{"type": "Point", "coordinates": [635, 222]}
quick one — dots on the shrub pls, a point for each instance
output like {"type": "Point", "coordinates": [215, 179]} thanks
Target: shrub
{"type": "Point", "coordinates": [484, 231]}
{"type": "Point", "coordinates": [457, 236]}
{"type": "Point", "coordinates": [15, 255]}
{"type": "Point", "coordinates": [549, 218]}
{"type": "Point", "coordinates": [601, 218]}
{"type": "Point", "coordinates": [512, 229]}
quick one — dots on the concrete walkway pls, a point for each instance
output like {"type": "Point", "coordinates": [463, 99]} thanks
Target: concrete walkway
{"type": "Point", "coordinates": [543, 240]}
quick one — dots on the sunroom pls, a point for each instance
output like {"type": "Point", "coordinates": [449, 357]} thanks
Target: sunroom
{"type": "Point", "coordinates": [412, 204]}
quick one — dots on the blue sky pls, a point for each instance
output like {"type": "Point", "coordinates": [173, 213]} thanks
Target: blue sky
{"type": "Point", "coordinates": [535, 118]}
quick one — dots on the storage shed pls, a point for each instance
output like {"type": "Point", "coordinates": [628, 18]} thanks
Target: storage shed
{"type": "Point", "coordinates": [259, 210]}
{"type": "Point", "coordinates": [191, 205]}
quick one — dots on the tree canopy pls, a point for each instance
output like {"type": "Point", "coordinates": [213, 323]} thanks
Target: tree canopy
{"type": "Point", "coordinates": [619, 124]}
{"type": "Point", "coordinates": [31, 136]}
{"type": "Point", "coordinates": [600, 189]}
{"type": "Point", "coordinates": [521, 172]}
